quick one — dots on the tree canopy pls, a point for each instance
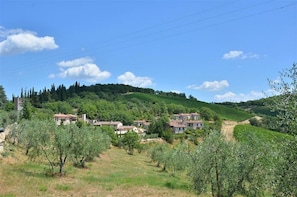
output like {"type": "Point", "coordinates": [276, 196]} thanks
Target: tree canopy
{"type": "Point", "coordinates": [285, 101]}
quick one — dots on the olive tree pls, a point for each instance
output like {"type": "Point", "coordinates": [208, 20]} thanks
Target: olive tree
{"type": "Point", "coordinates": [179, 157]}
{"type": "Point", "coordinates": [63, 140]}
{"type": "Point", "coordinates": [286, 170]}
{"type": "Point", "coordinates": [37, 138]}
{"type": "Point", "coordinates": [171, 158]}
{"type": "Point", "coordinates": [44, 138]}
{"type": "Point", "coordinates": [88, 142]}
{"type": "Point", "coordinates": [227, 168]}
{"type": "Point", "coordinates": [158, 153]}
{"type": "Point", "coordinates": [284, 103]}
{"type": "Point", "coordinates": [131, 140]}
{"type": "Point", "coordinates": [58, 144]}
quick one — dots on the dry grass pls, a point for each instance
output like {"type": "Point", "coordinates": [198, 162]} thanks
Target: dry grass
{"type": "Point", "coordinates": [114, 174]}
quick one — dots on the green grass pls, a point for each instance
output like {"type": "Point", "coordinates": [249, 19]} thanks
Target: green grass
{"type": "Point", "coordinates": [115, 173]}
{"type": "Point", "coordinates": [241, 133]}
{"type": "Point", "coordinates": [62, 187]}
{"type": "Point", "coordinates": [225, 112]}
{"type": "Point", "coordinates": [7, 195]}
{"type": "Point", "coordinates": [135, 170]}
{"type": "Point", "coordinates": [43, 188]}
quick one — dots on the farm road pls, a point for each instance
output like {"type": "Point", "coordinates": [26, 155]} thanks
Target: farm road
{"type": "Point", "coordinates": [228, 128]}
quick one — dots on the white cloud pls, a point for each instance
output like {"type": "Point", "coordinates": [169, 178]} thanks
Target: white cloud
{"type": "Point", "coordinates": [232, 54]}
{"type": "Point", "coordinates": [239, 55]}
{"type": "Point", "coordinates": [6, 32]}
{"type": "Point", "coordinates": [15, 41]}
{"type": "Point", "coordinates": [233, 97]}
{"type": "Point", "coordinates": [81, 68]}
{"type": "Point", "coordinates": [129, 78]}
{"type": "Point", "coordinates": [210, 85]}
{"type": "Point", "coordinates": [76, 62]}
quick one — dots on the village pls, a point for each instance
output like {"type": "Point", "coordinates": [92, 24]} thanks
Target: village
{"type": "Point", "coordinates": [179, 123]}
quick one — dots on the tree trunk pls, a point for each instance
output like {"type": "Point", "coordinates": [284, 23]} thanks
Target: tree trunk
{"type": "Point", "coordinates": [217, 178]}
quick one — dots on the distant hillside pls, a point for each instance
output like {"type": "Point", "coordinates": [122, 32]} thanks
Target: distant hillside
{"type": "Point", "coordinates": [225, 112]}
{"type": "Point", "coordinates": [127, 94]}
{"type": "Point", "coordinates": [258, 107]}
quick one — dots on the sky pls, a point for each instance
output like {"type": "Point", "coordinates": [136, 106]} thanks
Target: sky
{"type": "Point", "coordinates": [216, 51]}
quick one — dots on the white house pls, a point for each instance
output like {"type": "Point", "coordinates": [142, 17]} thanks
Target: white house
{"type": "Point", "coordinates": [186, 116]}
{"type": "Point", "coordinates": [114, 124]}
{"type": "Point", "coordinates": [65, 119]}
{"type": "Point", "coordinates": [177, 126]}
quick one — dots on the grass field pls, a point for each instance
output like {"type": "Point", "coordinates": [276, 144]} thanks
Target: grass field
{"type": "Point", "coordinates": [241, 133]}
{"type": "Point", "coordinates": [114, 174]}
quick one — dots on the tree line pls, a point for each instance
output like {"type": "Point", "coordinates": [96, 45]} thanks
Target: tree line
{"type": "Point", "coordinates": [61, 93]}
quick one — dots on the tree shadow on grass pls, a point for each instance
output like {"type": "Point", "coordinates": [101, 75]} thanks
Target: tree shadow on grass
{"type": "Point", "coordinates": [34, 173]}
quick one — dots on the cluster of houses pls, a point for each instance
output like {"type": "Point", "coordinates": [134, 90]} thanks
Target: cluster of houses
{"type": "Point", "coordinates": [179, 123]}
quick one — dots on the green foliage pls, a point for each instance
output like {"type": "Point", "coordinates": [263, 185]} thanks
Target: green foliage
{"type": "Point", "coordinates": [227, 168]}
{"type": "Point", "coordinates": [37, 137]}
{"type": "Point", "coordinates": [63, 140]}
{"type": "Point", "coordinates": [123, 117]}
{"type": "Point", "coordinates": [224, 112]}
{"type": "Point", "coordinates": [285, 104]}
{"type": "Point", "coordinates": [80, 123]}
{"type": "Point", "coordinates": [88, 142]}
{"type": "Point", "coordinates": [176, 108]}
{"type": "Point", "coordinates": [253, 106]}
{"type": "Point", "coordinates": [123, 103]}
{"type": "Point", "coordinates": [7, 118]}
{"type": "Point", "coordinates": [270, 122]}
{"type": "Point", "coordinates": [27, 110]}
{"type": "Point", "coordinates": [168, 135]}
{"type": "Point", "coordinates": [159, 153]}
{"type": "Point", "coordinates": [43, 114]}
{"type": "Point", "coordinates": [110, 132]}
{"type": "Point", "coordinates": [5, 154]}
{"type": "Point", "coordinates": [131, 140]}
{"type": "Point", "coordinates": [283, 161]}
{"type": "Point", "coordinates": [89, 109]}
{"type": "Point", "coordinates": [286, 169]}
{"type": "Point", "coordinates": [155, 127]}
{"type": "Point", "coordinates": [255, 122]}
{"type": "Point", "coordinates": [3, 98]}
{"type": "Point", "coordinates": [59, 107]}
{"type": "Point", "coordinates": [58, 144]}
{"type": "Point", "coordinates": [162, 128]}
{"type": "Point", "coordinates": [179, 157]}
{"type": "Point", "coordinates": [9, 106]}
{"type": "Point", "coordinates": [206, 113]}
{"type": "Point", "coordinates": [242, 133]}
{"type": "Point", "coordinates": [174, 159]}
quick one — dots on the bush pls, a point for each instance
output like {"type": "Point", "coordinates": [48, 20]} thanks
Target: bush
{"type": "Point", "coordinates": [168, 136]}
{"type": "Point", "coordinates": [255, 122]}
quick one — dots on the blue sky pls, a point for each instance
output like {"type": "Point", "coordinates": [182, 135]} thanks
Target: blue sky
{"type": "Point", "coordinates": [215, 51]}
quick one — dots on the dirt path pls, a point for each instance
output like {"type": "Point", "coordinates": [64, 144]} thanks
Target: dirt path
{"type": "Point", "coordinates": [228, 128]}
